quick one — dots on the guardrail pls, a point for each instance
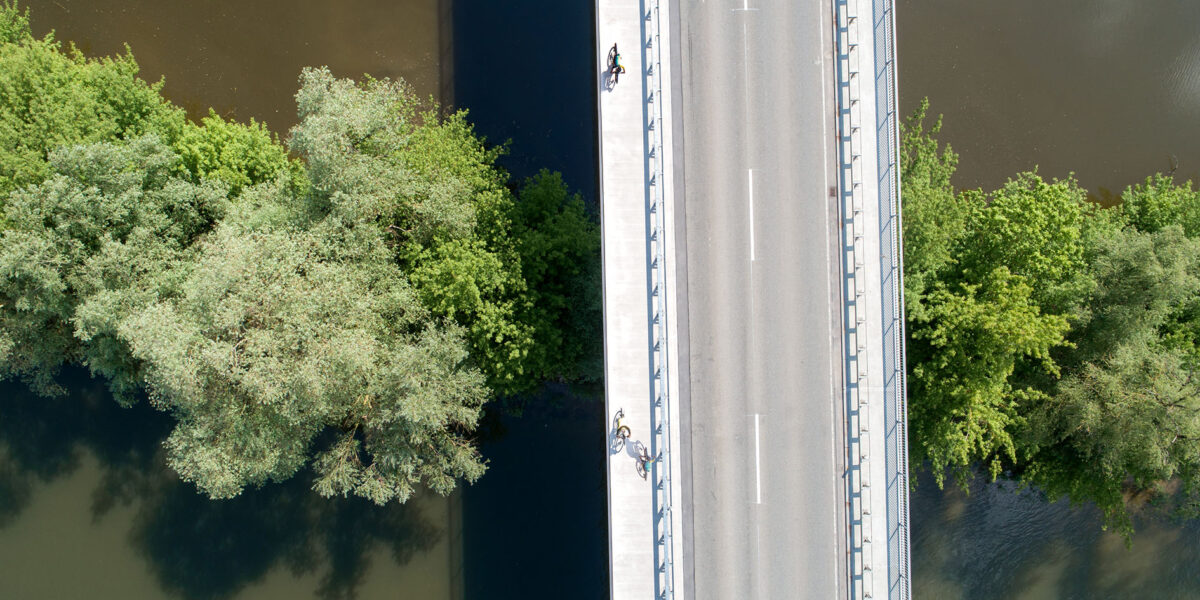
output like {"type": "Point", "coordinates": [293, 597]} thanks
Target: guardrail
{"type": "Point", "coordinates": [849, 125]}
{"type": "Point", "coordinates": [853, 235]}
{"type": "Point", "coordinates": [664, 578]}
{"type": "Point", "coordinates": [894, 384]}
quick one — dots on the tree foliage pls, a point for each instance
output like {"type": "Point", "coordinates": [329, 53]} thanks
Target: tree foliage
{"type": "Point", "coordinates": [935, 218]}
{"type": "Point", "coordinates": [14, 23]}
{"type": "Point", "coordinates": [236, 154]}
{"type": "Point", "coordinates": [109, 213]}
{"type": "Point", "coordinates": [278, 336]}
{"type": "Point", "coordinates": [559, 247]}
{"type": "Point", "coordinates": [966, 405]}
{"type": "Point", "coordinates": [475, 253]}
{"type": "Point", "coordinates": [349, 310]}
{"type": "Point", "coordinates": [1050, 339]}
{"type": "Point", "coordinates": [51, 97]}
{"type": "Point", "coordinates": [1159, 202]}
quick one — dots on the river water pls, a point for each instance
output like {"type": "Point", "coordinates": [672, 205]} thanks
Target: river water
{"type": "Point", "coordinates": [244, 58]}
{"type": "Point", "coordinates": [1109, 90]}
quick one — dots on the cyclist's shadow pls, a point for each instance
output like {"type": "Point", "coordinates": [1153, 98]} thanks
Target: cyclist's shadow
{"type": "Point", "coordinates": [616, 443]}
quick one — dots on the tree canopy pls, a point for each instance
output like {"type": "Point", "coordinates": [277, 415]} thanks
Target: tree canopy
{"type": "Point", "coordinates": [345, 303]}
{"type": "Point", "coordinates": [1051, 340]}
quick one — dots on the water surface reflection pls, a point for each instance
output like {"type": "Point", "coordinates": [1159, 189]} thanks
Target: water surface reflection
{"type": "Point", "coordinates": [90, 510]}
{"type": "Point", "coordinates": [1002, 543]}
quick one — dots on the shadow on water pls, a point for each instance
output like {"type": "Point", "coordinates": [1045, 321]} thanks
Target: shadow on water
{"type": "Point", "coordinates": [535, 526]}
{"type": "Point", "coordinates": [525, 71]}
{"type": "Point", "coordinates": [41, 438]}
{"type": "Point", "coordinates": [195, 547]}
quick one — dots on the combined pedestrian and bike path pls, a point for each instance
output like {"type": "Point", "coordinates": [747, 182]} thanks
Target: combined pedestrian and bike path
{"type": "Point", "coordinates": [625, 107]}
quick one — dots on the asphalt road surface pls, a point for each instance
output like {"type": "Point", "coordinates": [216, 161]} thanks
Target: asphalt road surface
{"type": "Point", "coordinates": [762, 426]}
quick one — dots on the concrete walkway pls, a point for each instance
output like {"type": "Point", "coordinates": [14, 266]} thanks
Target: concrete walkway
{"type": "Point", "coordinates": [627, 223]}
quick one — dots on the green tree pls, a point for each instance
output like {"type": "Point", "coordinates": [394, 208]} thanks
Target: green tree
{"type": "Point", "coordinates": [1159, 202]}
{"type": "Point", "coordinates": [14, 23]}
{"type": "Point", "coordinates": [236, 154]}
{"type": "Point", "coordinates": [965, 406]}
{"type": "Point", "coordinates": [99, 198]}
{"type": "Point", "coordinates": [559, 248]}
{"type": "Point", "coordinates": [1127, 411]}
{"type": "Point", "coordinates": [279, 335]}
{"type": "Point", "coordinates": [1049, 338]}
{"type": "Point", "coordinates": [935, 218]}
{"type": "Point", "coordinates": [1039, 230]}
{"type": "Point", "coordinates": [474, 253]}
{"type": "Point", "coordinates": [51, 97]}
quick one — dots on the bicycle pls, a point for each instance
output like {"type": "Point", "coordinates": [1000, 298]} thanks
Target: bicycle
{"type": "Point", "coordinates": [620, 431]}
{"type": "Point", "coordinates": [615, 68]}
{"type": "Point", "coordinates": [644, 460]}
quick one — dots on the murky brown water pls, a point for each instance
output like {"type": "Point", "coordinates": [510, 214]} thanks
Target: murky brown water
{"type": "Point", "coordinates": [243, 58]}
{"type": "Point", "coordinates": [1108, 89]}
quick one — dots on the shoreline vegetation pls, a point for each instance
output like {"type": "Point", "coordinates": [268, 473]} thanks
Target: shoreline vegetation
{"type": "Point", "coordinates": [342, 302]}
{"type": "Point", "coordinates": [1053, 341]}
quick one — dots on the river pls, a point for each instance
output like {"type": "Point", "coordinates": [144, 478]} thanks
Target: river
{"type": "Point", "coordinates": [1108, 90]}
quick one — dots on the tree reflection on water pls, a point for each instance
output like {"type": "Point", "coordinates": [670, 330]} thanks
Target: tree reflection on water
{"type": "Point", "coordinates": [195, 547]}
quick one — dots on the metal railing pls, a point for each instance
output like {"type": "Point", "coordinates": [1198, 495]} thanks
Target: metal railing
{"type": "Point", "coordinates": [664, 578]}
{"type": "Point", "coordinates": [892, 276]}
{"type": "Point", "coordinates": [859, 400]}
{"type": "Point", "coordinates": [853, 226]}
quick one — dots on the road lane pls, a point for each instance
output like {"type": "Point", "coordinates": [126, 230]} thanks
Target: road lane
{"type": "Point", "coordinates": [766, 507]}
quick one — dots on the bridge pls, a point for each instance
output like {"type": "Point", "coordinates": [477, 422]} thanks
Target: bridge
{"type": "Point", "coordinates": [753, 314]}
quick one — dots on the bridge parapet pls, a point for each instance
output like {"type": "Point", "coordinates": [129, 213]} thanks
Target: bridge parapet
{"type": "Point", "coordinates": [873, 316]}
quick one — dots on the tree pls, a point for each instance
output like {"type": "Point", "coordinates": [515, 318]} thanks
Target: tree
{"type": "Point", "coordinates": [935, 217]}
{"type": "Point", "coordinates": [965, 349]}
{"type": "Point", "coordinates": [1039, 230]}
{"type": "Point", "coordinates": [559, 248]}
{"type": "Point", "coordinates": [1127, 411]}
{"type": "Point", "coordinates": [102, 201]}
{"type": "Point", "coordinates": [474, 253]}
{"type": "Point", "coordinates": [281, 335]}
{"type": "Point", "coordinates": [51, 97]}
{"type": "Point", "coordinates": [1159, 202]}
{"type": "Point", "coordinates": [14, 23]}
{"type": "Point", "coordinates": [238, 155]}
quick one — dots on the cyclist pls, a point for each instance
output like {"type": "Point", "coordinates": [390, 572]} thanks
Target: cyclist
{"type": "Point", "coordinates": [621, 429]}
{"type": "Point", "coordinates": [615, 66]}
